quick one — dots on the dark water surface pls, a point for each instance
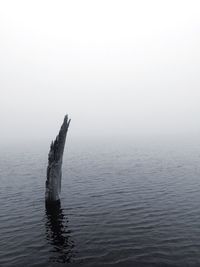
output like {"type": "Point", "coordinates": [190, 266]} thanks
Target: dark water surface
{"type": "Point", "coordinates": [128, 203]}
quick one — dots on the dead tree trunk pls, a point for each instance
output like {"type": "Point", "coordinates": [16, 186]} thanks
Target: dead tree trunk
{"type": "Point", "coordinates": [54, 169]}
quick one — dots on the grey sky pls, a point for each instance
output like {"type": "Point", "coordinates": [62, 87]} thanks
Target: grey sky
{"type": "Point", "coordinates": [116, 67]}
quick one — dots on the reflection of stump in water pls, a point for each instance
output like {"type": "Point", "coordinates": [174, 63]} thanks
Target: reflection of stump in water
{"type": "Point", "coordinates": [57, 234]}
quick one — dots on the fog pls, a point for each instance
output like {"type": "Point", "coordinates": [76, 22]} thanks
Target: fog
{"type": "Point", "coordinates": [118, 68]}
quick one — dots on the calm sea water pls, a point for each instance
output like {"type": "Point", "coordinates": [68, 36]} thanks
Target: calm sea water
{"type": "Point", "coordinates": [124, 203]}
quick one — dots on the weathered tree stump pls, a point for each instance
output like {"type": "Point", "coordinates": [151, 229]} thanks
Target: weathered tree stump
{"type": "Point", "coordinates": [54, 168]}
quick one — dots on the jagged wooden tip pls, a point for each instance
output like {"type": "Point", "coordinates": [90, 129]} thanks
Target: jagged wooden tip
{"type": "Point", "coordinates": [54, 168]}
